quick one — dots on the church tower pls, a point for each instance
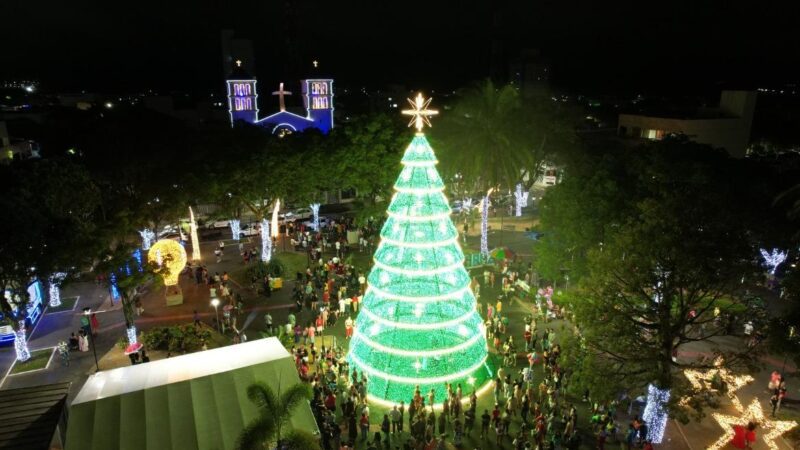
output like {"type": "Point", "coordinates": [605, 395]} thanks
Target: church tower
{"type": "Point", "coordinates": [318, 101]}
{"type": "Point", "coordinates": [242, 96]}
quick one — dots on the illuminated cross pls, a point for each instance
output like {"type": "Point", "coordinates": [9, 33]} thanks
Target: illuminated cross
{"type": "Point", "coordinates": [316, 63]}
{"type": "Point", "coordinates": [238, 63]}
{"type": "Point", "coordinates": [280, 93]}
{"type": "Point", "coordinates": [420, 113]}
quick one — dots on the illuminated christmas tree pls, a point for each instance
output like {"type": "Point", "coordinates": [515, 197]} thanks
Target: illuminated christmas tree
{"type": "Point", "coordinates": [418, 324]}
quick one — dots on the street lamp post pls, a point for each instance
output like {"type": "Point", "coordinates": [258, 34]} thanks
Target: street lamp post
{"type": "Point", "coordinates": [88, 312]}
{"type": "Point", "coordinates": [215, 304]}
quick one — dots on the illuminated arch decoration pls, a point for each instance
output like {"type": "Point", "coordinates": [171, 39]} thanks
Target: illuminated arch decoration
{"type": "Point", "coordinates": [419, 324]}
{"type": "Point", "coordinates": [171, 253]}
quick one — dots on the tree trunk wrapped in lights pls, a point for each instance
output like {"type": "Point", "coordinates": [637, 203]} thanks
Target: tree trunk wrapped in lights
{"type": "Point", "coordinates": [236, 232]}
{"type": "Point", "coordinates": [418, 324]}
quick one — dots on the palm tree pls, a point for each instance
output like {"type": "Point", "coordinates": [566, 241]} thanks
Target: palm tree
{"type": "Point", "coordinates": [273, 413]}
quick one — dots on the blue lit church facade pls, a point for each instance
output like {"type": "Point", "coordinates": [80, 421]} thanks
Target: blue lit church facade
{"type": "Point", "coordinates": [317, 95]}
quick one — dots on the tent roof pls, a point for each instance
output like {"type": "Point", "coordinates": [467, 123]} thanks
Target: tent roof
{"type": "Point", "coordinates": [29, 416]}
{"type": "Point", "coordinates": [191, 401]}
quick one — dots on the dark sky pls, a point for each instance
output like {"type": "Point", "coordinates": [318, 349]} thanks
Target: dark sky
{"type": "Point", "coordinates": [592, 45]}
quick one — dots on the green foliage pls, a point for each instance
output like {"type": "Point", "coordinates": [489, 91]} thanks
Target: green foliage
{"type": "Point", "coordinates": [275, 268]}
{"type": "Point", "coordinates": [176, 338]}
{"type": "Point", "coordinates": [274, 412]}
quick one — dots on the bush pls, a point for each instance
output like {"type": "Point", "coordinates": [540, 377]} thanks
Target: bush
{"type": "Point", "coordinates": [275, 267]}
{"type": "Point", "coordinates": [177, 338]}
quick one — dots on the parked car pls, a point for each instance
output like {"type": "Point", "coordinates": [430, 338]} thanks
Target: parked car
{"type": "Point", "coordinates": [168, 229]}
{"type": "Point", "coordinates": [323, 221]}
{"type": "Point", "coordinates": [251, 229]}
{"type": "Point", "coordinates": [297, 214]}
{"type": "Point", "coordinates": [458, 206]}
{"type": "Point", "coordinates": [218, 224]}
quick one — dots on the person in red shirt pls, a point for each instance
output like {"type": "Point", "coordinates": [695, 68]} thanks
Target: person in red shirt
{"type": "Point", "coordinates": [744, 437]}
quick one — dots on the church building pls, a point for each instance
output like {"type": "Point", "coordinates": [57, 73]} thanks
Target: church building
{"type": "Point", "coordinates": [317, 95]}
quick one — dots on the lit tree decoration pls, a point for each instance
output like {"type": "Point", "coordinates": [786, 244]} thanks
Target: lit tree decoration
{"type": "Point", "coordinates": [196, 254]}
{"type": "Point", "coordinates": [466, 204]}
{"type": "Point", "coordinates": [521, 199]}
{"type": "Point", "coordinates": [21, 343]}
{"type": "Point", "coordinates": [655, 413]}
{"type": "Point", "coordinates": [315, 210]}
{"type": "Point", "coordinates": [485, 202]}
{"type": "Point", "coordinates": [114, 288]}
{"type": "Point", "coordinates": [275, 210]}
{"type": "Point", "coordinates": [147, 238]}
{"type": "Point", "coordinates": [266, 241]}
{"type": "Point", "coordinates": [699, 379]}
{"type": "Point", "coordinates": [236, 230]}
{"type": "Point", "coordinates": [131, 334]}
{"type": "Point", "coordinates": [54, 288]}
{"type": "Point", "coordinates": [419, 324]}
{"type": "Point", "coordinates": [774, 259]}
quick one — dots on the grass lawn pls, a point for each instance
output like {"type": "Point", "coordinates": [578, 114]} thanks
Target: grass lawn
{"type": "Point", "coordinates": [39, 359]}
{"type": "Point", "coordinates": [67, 304]}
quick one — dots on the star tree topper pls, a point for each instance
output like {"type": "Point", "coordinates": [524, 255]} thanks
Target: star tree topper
{"type": "Point", "coordinates": [420, 112]}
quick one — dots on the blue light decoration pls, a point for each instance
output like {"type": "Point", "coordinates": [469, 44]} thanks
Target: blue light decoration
{"type": "Point", "coordinates": [317, 95]}
{"type": "Point", "coordinates": [137, 255]}
{"type": "Point", "coordinates": [315, 210]}
{"type": "Point", "coordinates": [655, 413]}
{"type": "Point", "coordinates": [112, 282]}
{"type": "Point", "coordinates": [236, 229]}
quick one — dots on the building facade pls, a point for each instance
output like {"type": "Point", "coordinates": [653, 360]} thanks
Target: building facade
{"type": "Point", "coordinates": [727, 126]}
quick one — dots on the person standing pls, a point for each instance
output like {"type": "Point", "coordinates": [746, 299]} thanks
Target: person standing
{"type": "Point", "coordinates": [96, 325]}
{"type": "Point", "coordinates": [83, 341]}
{"type": "Point", "coordinates": [364, 423]}
{"type": "Point", "coordinates": [395, 416]}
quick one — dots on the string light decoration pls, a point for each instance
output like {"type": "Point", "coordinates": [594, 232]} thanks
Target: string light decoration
{"type": "Point", "coordinates": [197, 256]}
{"type": "Point", "coordinates": [275, 211]}
{"type": "Point", "coordinates": [113, 286]}
{"type": "Point", "coordinates": [171, 253]}
{"type": "Point", "coordinates": [774, 259]}
{"type": "Point", "coordinates": [655, 413]}
{"type": "Point", "coordinates": [131, 334]}
{"type": "Point", "coordinates": [773, 429]}
{"type": "Point", "coordinates": [485, 202]}
{"type": "Point", "coordinates": [700, 380]}
{"type": "Point", "coordinates": [236, 229]}
{"type": "Point", "coordinates": [418, 323]}
{"type": "Point", "coordinates": [315, 210]}
{"type": "Point", "coordinates": [521, 200]}
{"type": "Point", "coordinates": [266, 241]}
{"type": "Point", "coordinates": [21, 343]}
{"type": "Point", "coordinates": [54, 288]}
{"type": "Point", "coordinates": [147, 238]}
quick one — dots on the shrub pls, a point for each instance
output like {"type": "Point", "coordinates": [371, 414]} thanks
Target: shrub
{"type": "Point", "coordinates": [275, 267]}
{"type": "Point", "coordinates": [176, 338]}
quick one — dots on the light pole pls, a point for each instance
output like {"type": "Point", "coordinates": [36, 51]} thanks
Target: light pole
{"type": "Point", "coordinates": [88, 312]}
{"type": "Point", "coordinates": [215, 304]}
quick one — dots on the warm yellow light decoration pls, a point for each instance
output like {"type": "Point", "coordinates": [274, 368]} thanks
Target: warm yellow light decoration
{"type": "Point", "coordinates": [420, 112]}
{"type": "Point", "coordinates": [773, 429]}
{"type": "Point", "coordinates": [171, 253]}
{"type": "Point", "coordinates": [733, 382]}
{"type": "Point", "coordinates": [196, 254]}
{"type": "Point", "coordinates": [274, 226]}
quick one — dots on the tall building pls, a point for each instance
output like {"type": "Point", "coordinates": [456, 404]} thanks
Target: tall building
{"type": "Point", "coordinates": [727, 126]}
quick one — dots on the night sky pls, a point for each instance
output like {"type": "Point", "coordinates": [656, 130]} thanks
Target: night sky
{"type": "Point", "coordinates": [593, 46]}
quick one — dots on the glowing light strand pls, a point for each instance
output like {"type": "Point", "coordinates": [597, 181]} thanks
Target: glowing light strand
{"type": "Point", "coordinates": [21, 343]}
{"type": "Point", "coordinates": [655, 413]}
{"type": "Point", "coordinates": [421, 380]}
{"type": "Point", "coordinates": [521, 199]}
{"type": "Point", "coordinates": [236, 229]}
{"type": "Point", "coordinates": [266, 241]}
{"type": "Point", "coordinates": [420, 353]}
{"type": "Point", "coordinates": [54, 288]}
{"type": "Point", "coordinates": [315, 211]}
{"type": "Point", "coordinates": [774, 259]}
{"type": "Point", "coordinates": [147, 238]}
{"type": "Point", "coordinates": [418, 326]}
{"type": "Point", "coordinates": [485, 224]}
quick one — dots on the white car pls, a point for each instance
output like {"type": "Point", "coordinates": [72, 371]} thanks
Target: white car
{"type": "Point", "coordinates": [168, 230]}
{"type": "Point", "coordinates": [251, 229]}
{"type": "Point", "coordinates": [297, 214]}
{"type": "Point", "coordinates": [218, 224]}
{"type": "Point", "coordinates": [323, 222]}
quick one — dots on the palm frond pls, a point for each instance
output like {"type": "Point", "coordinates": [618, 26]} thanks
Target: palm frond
{"type": "Point", "coordinates": [301, 440]}
{"type": "Point", "coordinates": [262, 395]}
{"type": "Point", "coordinates": [292, 397]}
{"type": "Point", "coordinates": [256, 434]}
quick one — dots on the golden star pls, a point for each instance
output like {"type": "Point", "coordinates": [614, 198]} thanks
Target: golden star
{"type": "Point", "coordinates": [773, 429]}
{"type": "Point", "coordinates": [420, 112]}
{"type": "Point", "coordinates": [699, 380]}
